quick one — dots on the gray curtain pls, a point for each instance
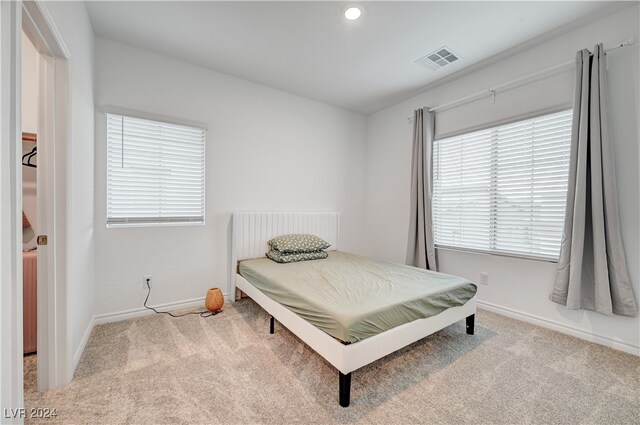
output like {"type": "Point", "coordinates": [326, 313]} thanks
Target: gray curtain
{"type": "Point", "coordinates": [420, 250]}
{"type": "Point", "coordinates": [592, 269]}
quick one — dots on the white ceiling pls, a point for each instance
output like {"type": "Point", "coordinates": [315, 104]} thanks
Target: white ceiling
{"type": "Point", "coordinates": [308, 48]}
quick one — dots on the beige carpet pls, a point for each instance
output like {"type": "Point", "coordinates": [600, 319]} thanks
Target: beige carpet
{"type": "Point", "coordinates": [228, 369]}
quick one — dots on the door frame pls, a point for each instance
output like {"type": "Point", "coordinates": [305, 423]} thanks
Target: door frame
{"type": "Point", "coordinates": [54, 364]}
{"type": "Point", "coordinates": [11, 370]}
{"type": "Point", "coordinates": [54, 361]}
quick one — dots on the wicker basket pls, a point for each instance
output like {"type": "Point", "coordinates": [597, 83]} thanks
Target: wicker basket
{"type": "Point", "coordinates": [215, 299]}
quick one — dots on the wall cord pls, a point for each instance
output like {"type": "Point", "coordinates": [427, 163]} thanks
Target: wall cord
{"type": "Point", "coordinates": [205, 313]}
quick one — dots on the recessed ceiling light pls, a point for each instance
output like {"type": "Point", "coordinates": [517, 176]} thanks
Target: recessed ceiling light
{"type": "Point", "coordinates": [352, 13]}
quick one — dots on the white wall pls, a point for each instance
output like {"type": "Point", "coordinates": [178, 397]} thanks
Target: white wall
{"type": "Point", "coordinates": [29, 86]}
{"type": "Point", "coordinates": [516, 285]}
{"type": "Point", "coordinates": [72, 21]}
{"type": "Point", "coordinates": [266, 150]}
{"type": "Point", "coordinates": [29, 125]}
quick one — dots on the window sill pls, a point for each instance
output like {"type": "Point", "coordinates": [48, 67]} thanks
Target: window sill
{"type": "Point", "coordinates": [498, 254]}
{"type": "Point", "coordinates": [160, 224]}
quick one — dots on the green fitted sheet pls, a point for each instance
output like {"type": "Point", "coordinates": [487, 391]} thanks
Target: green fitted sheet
{"type": "Point", "coordinates": [352, 297]}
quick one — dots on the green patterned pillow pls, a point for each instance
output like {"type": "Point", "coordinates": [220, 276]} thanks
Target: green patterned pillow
{"type": "Point", "coordinates": [296, 243]}
{"type": "Point", "coordinates": [281, 257]}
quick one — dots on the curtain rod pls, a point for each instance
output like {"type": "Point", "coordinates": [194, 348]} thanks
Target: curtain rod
{"type": "Point", "coordinates": [491, 92]}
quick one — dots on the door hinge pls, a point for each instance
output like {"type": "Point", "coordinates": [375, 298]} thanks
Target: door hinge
{"type": "Point", "coordinates": [42, 240]}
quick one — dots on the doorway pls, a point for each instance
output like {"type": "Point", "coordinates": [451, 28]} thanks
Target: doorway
{"type": "Point", "coordinates": [30, 99]}
{"type": "Point", "coordinates": [49, 55]}
{"type": "Point", "coordinates": [51, 140]}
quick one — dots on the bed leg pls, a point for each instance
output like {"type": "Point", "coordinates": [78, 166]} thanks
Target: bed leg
{"type": "Point", "coordinates": [471, 320]}
{"type": "Point", "coordinates": [345, 389]}
{"type": "Point", "coordinates": [272, 325]}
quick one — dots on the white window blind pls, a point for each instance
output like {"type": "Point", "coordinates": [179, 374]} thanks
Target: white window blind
{"type": "Point", "coordinates": [503, 189]}
{"type": "Point", "coordinates": [155, 172]}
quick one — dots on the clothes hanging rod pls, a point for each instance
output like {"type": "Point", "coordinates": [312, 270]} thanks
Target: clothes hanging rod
{"type": "Point", "coordinates": [29, 137]}
{"type": "Point", "coordinates": [491, 92]}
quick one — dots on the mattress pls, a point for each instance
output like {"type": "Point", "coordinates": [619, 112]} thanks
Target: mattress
{"type": "Point", "coordinates": [352, 297]}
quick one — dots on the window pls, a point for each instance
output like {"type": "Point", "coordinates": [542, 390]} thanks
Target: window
{"type": "Point", "coordinates": [503, 189]}
{"type": "Point", "coordinates": [155, 172]}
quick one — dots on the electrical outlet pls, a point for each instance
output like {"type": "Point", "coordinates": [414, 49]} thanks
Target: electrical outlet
{"type": "Point", "coordinates": [144, 281]}
{"type": "Point", "coordinates": [484, 278]}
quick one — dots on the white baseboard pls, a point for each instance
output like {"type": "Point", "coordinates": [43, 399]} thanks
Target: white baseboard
{"type": "Point", "coordinates": [139, 312]}
{"type": "Point", "coordinates": [559, 327]}
{"type": "Point", "coordinates": [83, 343]}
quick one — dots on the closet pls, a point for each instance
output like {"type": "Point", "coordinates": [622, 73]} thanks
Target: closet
{"type": "Point", "coordinates": [29, 253]}
{"type": "Point", "coordinates": [29, 194]}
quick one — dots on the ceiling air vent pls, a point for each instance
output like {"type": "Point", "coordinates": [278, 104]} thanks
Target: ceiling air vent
{"type": "Point", "coordinates": [438, 58]}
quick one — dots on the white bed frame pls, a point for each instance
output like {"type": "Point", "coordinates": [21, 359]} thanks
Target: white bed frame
{"type": "Point", "coordinates": [250, 233]}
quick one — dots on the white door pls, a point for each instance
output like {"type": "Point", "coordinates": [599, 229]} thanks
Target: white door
{"type": "Point", "coordinates": [44, 189]}
{"type": "Point", "coordinates": [11, 393]}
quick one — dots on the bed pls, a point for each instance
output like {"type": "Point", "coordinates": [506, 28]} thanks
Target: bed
{"type": "Point", "coordinates": [350, 309]}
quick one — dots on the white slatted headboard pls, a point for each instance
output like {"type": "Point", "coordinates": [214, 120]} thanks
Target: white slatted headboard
{"type": "Point", "coordinates": [251, 231]}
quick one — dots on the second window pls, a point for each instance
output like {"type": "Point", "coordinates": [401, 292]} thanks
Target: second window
{"type": "Point", "coordinates": [503, 189]}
